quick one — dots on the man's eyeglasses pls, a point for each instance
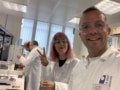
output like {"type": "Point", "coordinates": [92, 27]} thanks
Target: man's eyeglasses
{"type": "Point", "coordinates": [87, 26]}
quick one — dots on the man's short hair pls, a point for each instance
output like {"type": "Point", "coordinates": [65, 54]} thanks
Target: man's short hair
{"type": "Point", "coordinates": [34, 43]}
{"type": "Point", "coordinates": [28, 44]}
{"type": "Point", "coordinates": [93, 9]}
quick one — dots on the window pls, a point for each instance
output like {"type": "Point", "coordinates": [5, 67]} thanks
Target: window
{"type": "Point", "coordinates": [42, 34]}
{"type": "Point", "coordinates": [70, 34]}
{"type": "Point", "coordinates": [26, 30]}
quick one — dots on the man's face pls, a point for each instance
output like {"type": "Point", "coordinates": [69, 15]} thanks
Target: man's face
{"type": "Point", "coordinates": [31, 46]}
{"type": "Point", "coordinates": [27, 48]}
{"type": "Point", "coordinates": [94, 31]}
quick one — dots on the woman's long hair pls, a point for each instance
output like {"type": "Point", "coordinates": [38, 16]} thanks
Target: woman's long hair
{"type": "Point", "coordinates": [54, 54]}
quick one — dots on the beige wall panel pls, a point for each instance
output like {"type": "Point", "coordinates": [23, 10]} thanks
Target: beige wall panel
{"type": "Point", "coordinates": [14, 26]}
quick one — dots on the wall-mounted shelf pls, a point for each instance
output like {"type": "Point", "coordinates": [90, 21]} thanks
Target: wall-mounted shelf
{"type": "Point", "coordinates": [118, 34]}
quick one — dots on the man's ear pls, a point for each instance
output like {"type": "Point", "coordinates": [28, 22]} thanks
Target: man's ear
{"type": "Point", "coordinates": [109, 31]}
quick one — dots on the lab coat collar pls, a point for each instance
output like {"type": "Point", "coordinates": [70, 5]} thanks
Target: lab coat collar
{"type": "Point", "coordinates": [68, 61]}
{"type": "Point", "coordinates": [35, 48]}
{"type": "Point", "coordinates": [108, 53]}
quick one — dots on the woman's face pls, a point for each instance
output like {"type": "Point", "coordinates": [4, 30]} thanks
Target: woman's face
{"type": "Point", "coordinates": [61, 45]}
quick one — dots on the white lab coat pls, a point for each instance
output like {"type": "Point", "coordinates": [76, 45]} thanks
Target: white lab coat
{"type": "Point", "coordinates": [33, 69]}
{"type": "Point", "coordinates": [101, 73]}
{"type": "Point", "coordinates": [60, 75]}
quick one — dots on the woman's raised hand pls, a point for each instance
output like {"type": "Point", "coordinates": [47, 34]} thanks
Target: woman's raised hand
{"type": "Point", "coordinates": [43, 57]}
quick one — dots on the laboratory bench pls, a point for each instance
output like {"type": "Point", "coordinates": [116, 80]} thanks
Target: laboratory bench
{"type": "Point", "coordinates": [11, 79]}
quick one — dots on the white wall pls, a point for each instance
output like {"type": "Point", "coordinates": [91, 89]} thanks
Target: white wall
{"type": "Point", "coordinates": [12, 24]}
{"type": "Point", "coordinates": [3, 19]}
{"type": "Point", "coordinates": [78, 47]}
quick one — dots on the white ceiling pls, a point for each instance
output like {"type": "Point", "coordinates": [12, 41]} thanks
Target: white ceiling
{"type": "Point", "coordinates": [57, 11]}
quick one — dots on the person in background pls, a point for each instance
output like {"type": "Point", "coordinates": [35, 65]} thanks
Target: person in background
{"type": "Point", "coordinates": [62, 55]}
{"type": "Point", "coordinates": [27, 48]}
{"type": "Point", "coordinates": [101, 68]}
{"type": "Point", "coordinates": [32, 62]}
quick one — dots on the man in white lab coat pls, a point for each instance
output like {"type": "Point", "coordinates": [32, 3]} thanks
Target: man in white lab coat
{"type": "Point", "coordinates": [27, 48]}
{"type": "Point", "coordinates": [101, 69]}
{"type": "Point", "coordinates": [32, 62]}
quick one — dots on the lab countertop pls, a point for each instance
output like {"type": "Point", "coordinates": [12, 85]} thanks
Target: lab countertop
{"type": "Point", "coordinates": [11, 80]}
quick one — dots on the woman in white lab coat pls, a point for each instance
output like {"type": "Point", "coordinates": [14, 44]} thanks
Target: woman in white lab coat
{"type": "Point", "coordinates": [61, 66]}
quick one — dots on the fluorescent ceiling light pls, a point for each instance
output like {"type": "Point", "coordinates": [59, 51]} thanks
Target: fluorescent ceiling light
{"type": "Point", "coordinates": [14, 6]}
{"type": "Point", "coordinates": [75, 20]}
{"type": "Point", "coordinates": [108, 7]}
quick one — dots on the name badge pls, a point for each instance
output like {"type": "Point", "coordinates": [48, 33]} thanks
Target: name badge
{"type": "Point", "coordinates": [104, 83]}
